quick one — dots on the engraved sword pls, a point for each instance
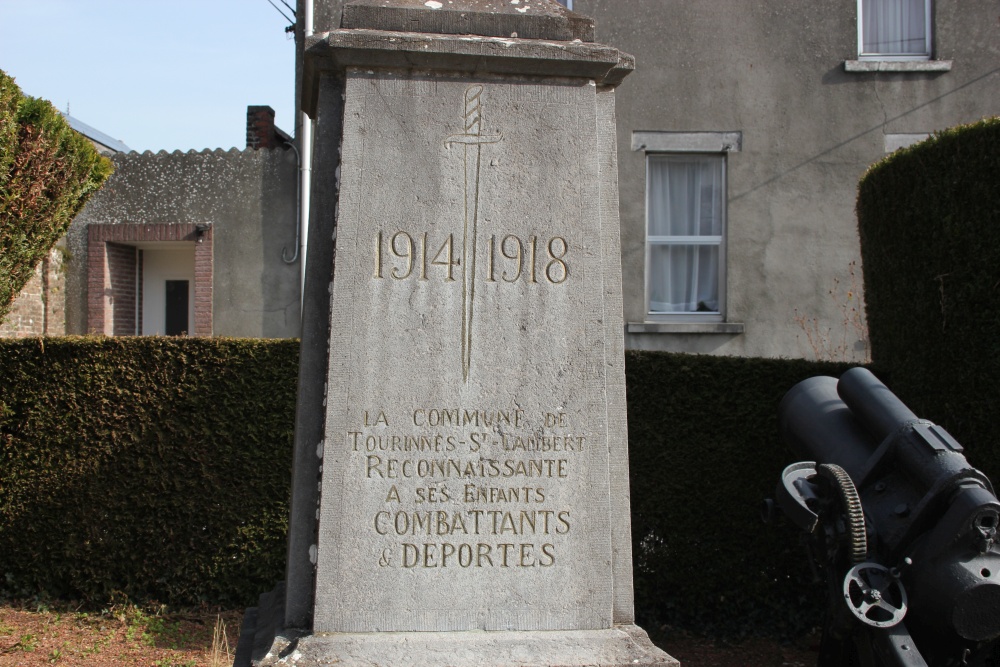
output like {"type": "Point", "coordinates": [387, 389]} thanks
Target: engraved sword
{"type": "Point", "coordinates": [472, 141]}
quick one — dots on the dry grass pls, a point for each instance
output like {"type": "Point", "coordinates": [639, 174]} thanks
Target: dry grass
{"type": "Point", "coordinates": [38, 635]}
{"type": "Point", "coordinates": [220, 655]}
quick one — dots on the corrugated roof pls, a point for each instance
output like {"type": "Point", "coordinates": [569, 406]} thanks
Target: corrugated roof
{"type": "Point", "coordinates": [96, 135]}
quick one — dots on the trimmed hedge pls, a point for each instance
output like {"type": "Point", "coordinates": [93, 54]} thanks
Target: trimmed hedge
{"type": "Point", "coordinates": [154, 468]}
{"type": "Point", "coordinates": [159, 469]}
{"type": "Point", "coordinates": [47, 173]}
{"type": "Point", "coordinates": [929, 221]}
{"type": "Point", "coordinates": [704, 454]}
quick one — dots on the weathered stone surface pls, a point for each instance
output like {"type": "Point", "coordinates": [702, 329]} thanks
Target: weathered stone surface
{"type": "Point", "coordinates": [616, 647]}
{"type": "Point", "coordinates": [528, 19]}
{"type": "Point", "coordinates": [468, 429]}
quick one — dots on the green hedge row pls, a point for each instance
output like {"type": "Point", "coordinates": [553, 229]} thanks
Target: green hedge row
{"type": "Point", "coordinates": [159, 469]}
{"type": "Point", "coordinates": [47, 173]}
{"type": "Point", "coordinates": [704, 454]}
{"type": "Point", "coordinates": [929, 221]}
{"type": "Point", "coordinates": [155, 468]}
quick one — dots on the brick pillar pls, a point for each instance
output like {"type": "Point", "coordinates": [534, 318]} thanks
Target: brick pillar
{"type": "Point", "coordinates": [203, 270]}
{"type": "Point", "coordinates": [121, 261]}
{"type": "Point", "coordinates": [260, 127]}
{"type": "Point", "coordinates": [99, 314]}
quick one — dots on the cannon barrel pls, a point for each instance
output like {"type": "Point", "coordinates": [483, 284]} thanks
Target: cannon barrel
{"type": "Point", "coordinates": [858, 424]}
{"type": "Point", "coordinates": [877, 408]}
{"type": "Point", "coordinates": [814, 420]}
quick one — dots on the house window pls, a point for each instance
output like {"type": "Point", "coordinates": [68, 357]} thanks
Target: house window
{"type": "Point", "coordinates": [685, 236]}
{"type": "Point", "coordinates": [568, 4]}
{"type": "Point", "coordinates": [894, 29]}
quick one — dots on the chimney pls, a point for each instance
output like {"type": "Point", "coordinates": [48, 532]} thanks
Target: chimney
{"type": "Point", "coordinates": [260, 127]}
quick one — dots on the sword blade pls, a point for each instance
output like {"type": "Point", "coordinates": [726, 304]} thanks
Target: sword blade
{"type": "Point", "coordinates": [473, 129]}
{"type": "Point", "coordinates": [472, 153]}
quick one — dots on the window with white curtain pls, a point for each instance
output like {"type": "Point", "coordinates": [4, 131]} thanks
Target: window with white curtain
{"type": "Point", "coordinates": [894, 29]}
{"type": "Point", "coordinates": [685, 236]}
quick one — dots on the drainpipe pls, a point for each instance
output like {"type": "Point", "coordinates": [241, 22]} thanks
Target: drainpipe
{"type": "Point", "coordinates": [298, 211]}
{"type": "Point", "coordinates": [305, 183]}
{"type": "Point", "coordinates": [303, 156]}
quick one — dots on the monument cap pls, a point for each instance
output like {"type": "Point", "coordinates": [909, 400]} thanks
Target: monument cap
{"type": "Point", "coordinates": [476, 37]}
{"type": "Point", "coordinates": [527, 19]}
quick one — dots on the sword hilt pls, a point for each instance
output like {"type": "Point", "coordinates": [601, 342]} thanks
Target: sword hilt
{"type": "Point", "coordinates": [473, 110]}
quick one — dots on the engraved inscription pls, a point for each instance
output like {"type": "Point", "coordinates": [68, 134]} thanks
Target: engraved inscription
{"type": "Point", "coordinates": [509, 259]}
{"type": "Point", "coordinates": [467, 488]}
{"type": "Point", "coordinates": [523, 260]}
{"type": "Point", "coordinates": [402, 255]}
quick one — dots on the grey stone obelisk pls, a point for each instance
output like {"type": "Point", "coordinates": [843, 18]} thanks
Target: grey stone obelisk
{"type": "Point", "coordinates": [474, 501]}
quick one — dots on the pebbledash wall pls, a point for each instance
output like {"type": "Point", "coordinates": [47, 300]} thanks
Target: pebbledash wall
{"type": "Point", "coordinates": [778, 93]}
{"type": "Point", "coordinates": [234, 210]}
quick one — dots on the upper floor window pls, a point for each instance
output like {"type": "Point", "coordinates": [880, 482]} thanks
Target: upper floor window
{"type": "Point", "coordinates": [894, 29]}
{"type": "Point", "coordinates": [568, 4]}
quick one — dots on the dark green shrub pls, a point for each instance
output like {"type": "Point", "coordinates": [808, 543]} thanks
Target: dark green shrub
{"type": "Point", "coordinates": [704, 454]}
{"type": "Point", "coordinates": [929, 220]}
{"type": "Point", "coordinates": [157, 468]}
{"type": "Point", "coordinates": [47, 173]}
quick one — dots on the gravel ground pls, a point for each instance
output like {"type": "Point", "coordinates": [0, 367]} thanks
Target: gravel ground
{"type": "Point", "coordinates": [37, 635]}
{"type": "Point", "coordinates": [41, 636]}
{"type": "Point", "coordinates": [694, 651]}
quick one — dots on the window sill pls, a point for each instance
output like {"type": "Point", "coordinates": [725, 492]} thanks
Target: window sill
{"type": "Point", "coordinates": [897, 65]}
{"type": "Point", "coordinates": [685, 327]}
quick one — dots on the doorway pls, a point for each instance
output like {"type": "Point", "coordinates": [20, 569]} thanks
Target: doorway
{"type": "Point", "coordinates": [167, 277]}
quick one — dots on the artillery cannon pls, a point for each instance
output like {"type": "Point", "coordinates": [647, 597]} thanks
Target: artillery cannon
{"type": "Point", "coordinates": [901, 527]}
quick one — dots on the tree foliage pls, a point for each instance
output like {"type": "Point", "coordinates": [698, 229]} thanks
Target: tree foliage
{"type": "Point", "coordinates": [47, 173]}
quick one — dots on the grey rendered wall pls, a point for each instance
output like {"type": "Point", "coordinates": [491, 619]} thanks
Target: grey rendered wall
{"type": "Point", "coordinates": [248, 196]}
{"type": "Point", "coordinates": [774, 70]}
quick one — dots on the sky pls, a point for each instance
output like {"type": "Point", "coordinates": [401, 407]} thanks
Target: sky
{"type": "Point", "coordinates": [155, 74]}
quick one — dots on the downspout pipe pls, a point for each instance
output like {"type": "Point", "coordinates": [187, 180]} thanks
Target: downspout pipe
{"type": "Point", "coordinates": [305, 190]}
{"type": "Point", "coordinates": [305, 184]}
{"type": "Point", "coordinates": [303, 156]}
{"type": "Point", "coordinates": [298, 210]}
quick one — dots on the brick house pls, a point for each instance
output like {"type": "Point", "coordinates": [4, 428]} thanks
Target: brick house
{"type": "Point", "coordinates": [143, 253]}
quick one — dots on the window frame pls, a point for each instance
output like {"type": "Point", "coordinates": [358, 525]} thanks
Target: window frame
{"type": "Point", "coordinates": [896, 57]}
{"type": "Point", "coordinates": [653, 241]}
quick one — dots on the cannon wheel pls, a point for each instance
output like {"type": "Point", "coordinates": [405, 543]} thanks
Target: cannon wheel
{"type": "Point", "coordinates": [874, 596]}
{"type": "Point", "coordinates": [854, 516]}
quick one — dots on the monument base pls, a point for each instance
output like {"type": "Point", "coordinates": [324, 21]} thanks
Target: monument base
{"type": "Point", "coordinates": [263, 643]}
{"type": "Point", "coordinates": [620, 646]}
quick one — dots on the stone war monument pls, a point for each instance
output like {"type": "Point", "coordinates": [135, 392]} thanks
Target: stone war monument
{"type": "Point", "coordinates": [462, 395]}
